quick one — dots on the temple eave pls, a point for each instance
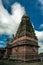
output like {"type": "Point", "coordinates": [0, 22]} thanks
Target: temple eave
{"type": "Point", "coordinates": [15, 45]}
{"type": "Point", "coordinates": [25, 38]}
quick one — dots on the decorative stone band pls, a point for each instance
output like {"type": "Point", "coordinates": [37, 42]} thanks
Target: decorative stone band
{"type": "Point", "coordinates": [25, 38]}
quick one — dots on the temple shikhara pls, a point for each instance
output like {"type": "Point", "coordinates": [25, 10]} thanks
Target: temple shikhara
{"type": "Point", "coordinates": [24, 46]}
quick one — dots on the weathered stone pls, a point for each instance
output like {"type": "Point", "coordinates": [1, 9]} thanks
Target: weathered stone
{"type": "Point", "coordinates": [24, 46]}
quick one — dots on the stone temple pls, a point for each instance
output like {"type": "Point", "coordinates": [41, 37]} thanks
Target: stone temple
{"type": "Point", "coordinates": [24, 46]}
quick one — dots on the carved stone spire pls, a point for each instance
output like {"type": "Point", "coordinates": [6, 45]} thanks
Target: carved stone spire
{"type": "Point", "coordinates": [25, 28]}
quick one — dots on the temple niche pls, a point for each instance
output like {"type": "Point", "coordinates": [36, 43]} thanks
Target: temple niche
{"type": "Point", "coordinates": [25, 45]}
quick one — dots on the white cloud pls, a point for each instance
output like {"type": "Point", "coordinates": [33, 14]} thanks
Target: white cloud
{"type": "Point", "coordinates": [41, 1]}
{"type": "Point", "coordinates": [17, 12]}
{"type": "Point", "coordinates": [41, 26]}
{"type": "Point", "coordinates": [41, 7]}
{"type": "Point", "coordinates": [39, 35]}
{"type": "Point", "coordinates": [41, 47]}
{"type": "Point", "coordinates": [9, 23]}
{"type": "Point", "coordinates": [32, 25]}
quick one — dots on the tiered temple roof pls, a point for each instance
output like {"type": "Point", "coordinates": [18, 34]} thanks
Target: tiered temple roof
{"type": "Point", "coordinates": [25, 28]}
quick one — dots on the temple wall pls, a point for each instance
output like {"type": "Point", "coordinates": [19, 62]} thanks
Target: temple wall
{"type": "Point", "coordinates": [24, 52]}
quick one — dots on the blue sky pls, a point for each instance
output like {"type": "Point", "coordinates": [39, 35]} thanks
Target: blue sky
{"type": "Point", "coordinates": [34, 9]}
